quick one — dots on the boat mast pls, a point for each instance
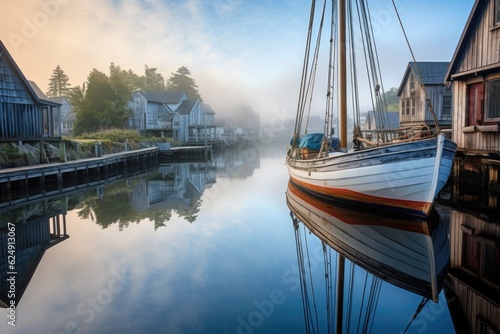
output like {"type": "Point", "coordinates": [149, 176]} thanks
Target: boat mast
{"type": "Point", "coordinates": [342, 75]}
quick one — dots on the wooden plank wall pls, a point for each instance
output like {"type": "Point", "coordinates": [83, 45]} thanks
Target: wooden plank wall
{"type": "Point", "coordinates": [482, 50]}
{"type": "Point", "coordinates": [484, 44]}
{"type": "Point", "coordinates": [476, 305]}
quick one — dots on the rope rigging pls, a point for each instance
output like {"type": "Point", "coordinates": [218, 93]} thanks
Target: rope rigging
{"type": "Point", "coordinates": [418, 75]}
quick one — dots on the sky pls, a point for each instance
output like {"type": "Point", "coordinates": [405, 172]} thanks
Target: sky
{"type": "Point", "coordinates": [237, 51]}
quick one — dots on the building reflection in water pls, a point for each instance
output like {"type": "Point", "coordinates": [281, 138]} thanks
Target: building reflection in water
{"type": "Point", "coordinates": [40, 223]}
{"type": "Point", "coordinates": [472, 287]}
{"type": "Point", "coordinates": [36, 227]}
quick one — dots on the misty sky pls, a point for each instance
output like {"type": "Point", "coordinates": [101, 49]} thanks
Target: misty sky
{"type": "Point", "coordinates": [237, 51]}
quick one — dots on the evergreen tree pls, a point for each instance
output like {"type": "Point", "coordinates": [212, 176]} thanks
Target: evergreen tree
{"type": "Point", "coordinates": [153, 80]}
{"type": "Point", "coordinates": [58, 83]}
{"type": "Point", "coordinates": [181, 81]}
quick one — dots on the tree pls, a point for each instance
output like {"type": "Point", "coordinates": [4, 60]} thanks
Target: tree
{"type": "Point", "coordinates": [181, 81]}
{"type": "Point", "coordinates": [58, 83]}
{"type": "Point", "coordinates": [85, 121]}
{"type": "Point", "coordinates": [153, 80]}
{"type": "Point", "coordinates": [392, 99]}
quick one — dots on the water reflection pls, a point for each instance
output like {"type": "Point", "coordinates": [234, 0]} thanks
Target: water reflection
{"type": "Point", "coordinates": [412, 255]}
{"type": "Point", "coordinates": [174, 189]}
{"type": "Point", "coordinates": [25, 234]}
{"type": "Point", "coordinates": [472, 287]}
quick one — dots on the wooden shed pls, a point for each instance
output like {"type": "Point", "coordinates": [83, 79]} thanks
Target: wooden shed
{"type": "Point", "coordinates": [474, 76]}
{"type": "Point", "coordinates": [421, 80]}
{"type": "Point", "coordinates": [25, 115]}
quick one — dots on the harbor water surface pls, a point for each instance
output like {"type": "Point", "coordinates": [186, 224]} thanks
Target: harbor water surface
{"type": "Point", "coordinates": [193, 247]}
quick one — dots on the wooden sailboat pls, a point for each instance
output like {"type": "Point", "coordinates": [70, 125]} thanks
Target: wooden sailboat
{"type": "Point", "coordinates": [401, 172]}
{"type": "Point", "coordinates": [412, 255]}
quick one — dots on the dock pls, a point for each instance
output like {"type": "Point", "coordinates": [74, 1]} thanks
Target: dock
{"type": "Point", "coordinates": [23, 184]}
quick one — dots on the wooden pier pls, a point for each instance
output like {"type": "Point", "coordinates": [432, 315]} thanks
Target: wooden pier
{"type": "Point", "coordinates": [23, 184]}
{"type": "Point", "coordinates": [186, 153]}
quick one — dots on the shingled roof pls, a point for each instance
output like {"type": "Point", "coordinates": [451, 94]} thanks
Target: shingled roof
{"type": "Point", "coordinates": [431, 72]}
{"type": "Point", "coordinates": [186, 107]}
{"type": "Point", "coordinates": [163, 96]}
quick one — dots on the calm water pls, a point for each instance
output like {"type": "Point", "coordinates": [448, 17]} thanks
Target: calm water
{"type": "Point", "coordinates": [191, 248]}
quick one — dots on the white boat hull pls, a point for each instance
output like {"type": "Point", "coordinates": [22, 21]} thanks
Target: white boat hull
{"type": "Point", "coordinates": [411, 254]}
{"type": "Point", "coordinates": [404, 177]}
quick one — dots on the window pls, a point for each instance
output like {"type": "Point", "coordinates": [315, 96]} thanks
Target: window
{"type": "Point", "coordinates": [469, 251]}
{"type": "Point", "coordinates": [497, 13]}
{"type": "Point", "coordinates": [412, 81]}
{"type": "Point", "coordinates": [493, 100]}
{"type": "Point", "coordinates": [491, 262]}
{"type": "Point", "coordinates": [405, 107]}
{"type": "Point", "coordinates": [413, 106]}
{"type": "Point", "coordinates": [446, 105]}
{"type": "Point", "coordinates": [474, 104]}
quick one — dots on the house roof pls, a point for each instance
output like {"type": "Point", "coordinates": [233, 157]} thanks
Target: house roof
{"type": "Point", "coordinates": [41, 95]}
{"type": "Point", "coordinates": [163, 96]}
{"type": "Point", "coordinates": [5, 53]}
{"type": "Point", "coordinates": [186, 107]}
{"type": "Point", "coordinates": [474, 17]}
{"type": "Point", "coordinates": [207, 109]}
{"type": "Point", "coordinates": [59, 99]}
{"type": "Point", "coordinates": [431, 72]}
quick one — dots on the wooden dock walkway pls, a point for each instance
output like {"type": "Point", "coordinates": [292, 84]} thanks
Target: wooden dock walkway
{"type": "Point", "coordinates": [23, 184]}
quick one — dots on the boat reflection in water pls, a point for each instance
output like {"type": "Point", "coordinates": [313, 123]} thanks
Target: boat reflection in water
{"type": "Point", "coordinates": [410, 254]}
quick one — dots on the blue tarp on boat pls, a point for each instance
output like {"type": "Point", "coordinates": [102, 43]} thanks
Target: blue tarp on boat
{"type": "Point", "coordinates": [311, 141]}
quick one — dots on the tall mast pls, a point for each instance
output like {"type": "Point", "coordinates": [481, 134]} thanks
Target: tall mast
{"type": "Point", "coordinates": [342, 75]}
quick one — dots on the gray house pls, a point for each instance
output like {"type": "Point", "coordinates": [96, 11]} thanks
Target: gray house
{"type": "Point", "coordinates": [68, 117]}
{"type": "Point", "coordinates": [171, 114]}
{"type": "Point", "coordinates": [24, 114]}
{"type": "Point", "coordinates": [414, 110]}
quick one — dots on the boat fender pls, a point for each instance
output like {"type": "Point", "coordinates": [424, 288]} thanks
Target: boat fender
{"type": "Point", "coordinates": [334, 143]}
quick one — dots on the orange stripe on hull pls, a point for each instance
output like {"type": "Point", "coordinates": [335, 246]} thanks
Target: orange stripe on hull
{"type": "Point", "coordinates": [411, 207]}
{"type": "Point", "coordinates": [357, 217]}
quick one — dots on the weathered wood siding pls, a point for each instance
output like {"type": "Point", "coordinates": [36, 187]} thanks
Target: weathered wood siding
{"type": "Point", "coordinates": [475, 295]}
{"type": "Point", "coordinates": [483, 48]}
{"type": "Point", "coordinates": [20, 116]}
{"type": "Point", "coordinates": [422, 113]}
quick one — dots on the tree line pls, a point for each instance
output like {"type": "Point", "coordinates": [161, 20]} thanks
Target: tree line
{"type": "Point", "coordinates": [100, 102]}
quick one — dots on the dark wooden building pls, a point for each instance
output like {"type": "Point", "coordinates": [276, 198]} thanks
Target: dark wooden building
{"type": "Point", "coordinates": [472, 287]}
{"type": "Point", "coordinates": [25, 114]}
{"type": "Point", "coordinates": [474, 76]}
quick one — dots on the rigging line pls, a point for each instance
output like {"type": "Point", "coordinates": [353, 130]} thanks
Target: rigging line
{"type": "Point", "coordinates": [354, 82]}
{"type": "Point", "coordinates": [419, 77]}
{"type": "Point", "coordinates": [349, 300]}
{"type": "Point", "coordinates": [419, 309]}
{"type": "Point", "coordinates": [379, 287]}
{"type": "Point", "coordinates": [362, 302]}
{"type": "Point", "coordinates": [381, 81]}
{"type": "Point", "coordinates": [311, 280]}
{"type": "Point", "coordinates": [380, 98]}
{"type": "Point", "coordinates": [328, 287]}
{"type": "Point", "coordinates": [305, 67]}
{"type": "Point", "coordinates": [300, 264]}
{"type": "Point", "coordinates": [329, 90]}
{"type": "Point", "coordinates": [371, 304]}
{"type": "Point", "coordinates": [312, 77]}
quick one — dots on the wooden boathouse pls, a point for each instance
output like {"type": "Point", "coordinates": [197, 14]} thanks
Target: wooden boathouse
{"type": "Point", "coordinates": [25, 116]}
{"type": "Point", "coordinates": [474, 76]}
